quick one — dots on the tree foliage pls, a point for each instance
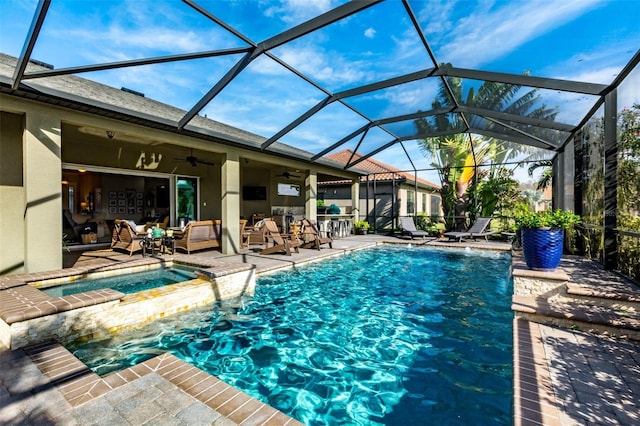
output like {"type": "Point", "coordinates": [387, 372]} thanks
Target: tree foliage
{"type": "Point", "coordinates": [629, 189]}
{"type": "Point", "coordinates": [458, 157]}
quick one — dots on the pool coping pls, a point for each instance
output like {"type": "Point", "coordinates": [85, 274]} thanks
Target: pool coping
{"type": "Point", "coordinates": [533, 395]}
{"type": "Point", "coordinates": [79, 385]}
{"type": "Point", "coordinates": [21, 301]}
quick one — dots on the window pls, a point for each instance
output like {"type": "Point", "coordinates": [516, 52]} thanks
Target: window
{"type": "Point", "coordinates": [424, 202]}
{"type": "Point", "coordinates": [410, 202]}
{"type": "Point", "coordinates": [435, 205]}
{"type": "Point", "coordinates": [289, 189]}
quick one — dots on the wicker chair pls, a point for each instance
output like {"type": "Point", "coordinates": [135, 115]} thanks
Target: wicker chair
{"type": "Point", "coordinates": [125, 237]}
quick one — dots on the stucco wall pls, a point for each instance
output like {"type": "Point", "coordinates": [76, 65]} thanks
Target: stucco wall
{"type": "Point", "coordinates": [11, 194]}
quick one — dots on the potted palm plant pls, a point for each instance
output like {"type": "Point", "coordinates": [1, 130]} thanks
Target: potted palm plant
{"type": "Point", "coordinates": [542, 235]}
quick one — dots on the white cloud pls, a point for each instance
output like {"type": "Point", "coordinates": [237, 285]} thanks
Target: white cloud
{"type": "Point", "coordinates": [370, 33]}
{"type": "Point", "coordinates": [488, 33]}
{"type": "Point", "coordinates": [329, 68]}
{"type": "Point", "coordinates": [298, 11]}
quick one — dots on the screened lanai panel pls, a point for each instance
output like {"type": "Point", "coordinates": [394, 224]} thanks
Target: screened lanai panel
{"type": "Point", "coordinates": [264, 98]}
{"type": "Point", "coordinates": [118, 30]}
{"type": "Point", "coordinates": [578, 40]}
{"type": "Point", "coordinates": [510, 153]}
{"type": "Point", "coordinates": [524, 133]}
{"type": "Point", "coordinates": [359, 49]}
{"type": "Point", "coordinates": [417, 151]}
{"type": "Point", "coordinates": [122, 30]}
{"type": "Point", "coordinates": [170, 83]}
{"type": "Point", "coordinates": [260, 20]}
{"type": "Point", "coordinates": [401, 161]}
{"type": "Point", "coordinates": [363, 143]}
{"type": "Point", "coordinates": [324, 128]}
{"type": "Point", "coordinates": [115, 32]}
{"type": "Point", "coordinates": [628, 183]}
{"type": "Point", "coordinates": [423, 125]}
{"type": "Point", "coordinates": [543, 104]}
{"type": "Point", "coordinates": [407, 98]}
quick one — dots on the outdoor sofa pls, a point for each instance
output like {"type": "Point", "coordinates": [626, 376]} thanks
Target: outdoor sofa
{"type": "Point", "coordinates": [200, 235]}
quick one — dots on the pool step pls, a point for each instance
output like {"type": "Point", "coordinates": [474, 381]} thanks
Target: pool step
{"type": "Point", "coordinates": [587, 316]}
{"type": "Point", "coordinates": [579, 295]}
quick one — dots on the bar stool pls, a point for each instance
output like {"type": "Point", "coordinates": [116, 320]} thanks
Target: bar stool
{"type": "Point", "coordinates": [342, 228]}
{"type": "Point", "coordinates": [335, 228]}
{"type": "Point", "coordinates": [347, 227]}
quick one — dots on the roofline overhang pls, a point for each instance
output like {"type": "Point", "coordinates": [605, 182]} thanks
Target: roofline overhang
{"type": "Point", "coordinates": [46, 95]}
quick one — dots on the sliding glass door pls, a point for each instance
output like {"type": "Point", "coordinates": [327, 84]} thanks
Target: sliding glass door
{"type": "Point", "coordinates": [187, 198]}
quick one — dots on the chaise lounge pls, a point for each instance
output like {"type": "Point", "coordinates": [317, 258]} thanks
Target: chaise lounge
{"type": "Point", "coordinates": [409, 228]}
{"type": "Point", "coordinates": [200, 235]}
{"type": "Point", "coordinates": [476, 231]}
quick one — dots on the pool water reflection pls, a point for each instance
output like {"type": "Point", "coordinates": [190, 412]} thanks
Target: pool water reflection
{"type": "Point", "coordinates": [383, 336]}
{"type": "Point", "coordinates": [126, 283]}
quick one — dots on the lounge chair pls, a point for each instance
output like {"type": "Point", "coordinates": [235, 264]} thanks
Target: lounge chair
{"type": "Point", "coordinates": [280, 244]}
{"type": "Point", "coordinates": [125, 237]}
{"type": "Point", "coordinates": [476, 231]}
{"type": "Point", "coordinates": [409, 227]}
{"type": "Point", "coordinates": [78, 228]}
{"type": "Point", "coordinates": [311, 237]}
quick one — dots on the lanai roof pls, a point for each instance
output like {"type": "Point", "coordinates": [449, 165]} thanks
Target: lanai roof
{"type": "Point", "coordinates": [312, 80]}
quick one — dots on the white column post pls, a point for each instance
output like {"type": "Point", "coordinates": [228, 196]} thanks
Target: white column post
{"type": "Point", "coordinates": [311, 196]}
{"type": "Point", "coordinates": [231, 204]}
{"type": "Point", "coordinates": [355, 198]}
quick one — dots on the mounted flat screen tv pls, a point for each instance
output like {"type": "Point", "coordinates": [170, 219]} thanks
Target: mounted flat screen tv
{"type": "Point", "coordinates": [254, 193]}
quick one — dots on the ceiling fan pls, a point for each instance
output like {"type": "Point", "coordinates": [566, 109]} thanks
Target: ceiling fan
{"type": "Point", "coordinates": [288, 175]}
{"type": "Point", "coordinates": [194, 161]}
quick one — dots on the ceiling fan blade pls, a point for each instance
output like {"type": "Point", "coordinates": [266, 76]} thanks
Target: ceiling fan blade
{"type": "Point", "coordinates": [207, 163]}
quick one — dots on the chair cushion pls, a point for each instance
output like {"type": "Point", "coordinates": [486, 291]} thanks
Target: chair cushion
{"type": "Point", "coordinates": [199, 233]}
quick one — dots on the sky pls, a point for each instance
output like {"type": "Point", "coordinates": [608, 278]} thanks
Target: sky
{"type": "Point", "coordinates": [582, 40]}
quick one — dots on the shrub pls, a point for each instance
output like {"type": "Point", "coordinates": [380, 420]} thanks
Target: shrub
{"type": "Point", "coordinates": [556, 219]}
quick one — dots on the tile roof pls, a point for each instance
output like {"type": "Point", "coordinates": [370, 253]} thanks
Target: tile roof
{"type": "Point", "coordinates": [382, 171]}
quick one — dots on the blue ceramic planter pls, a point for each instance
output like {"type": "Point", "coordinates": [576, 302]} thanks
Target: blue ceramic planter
{"type": "Point", "coordinates": [542, 248]}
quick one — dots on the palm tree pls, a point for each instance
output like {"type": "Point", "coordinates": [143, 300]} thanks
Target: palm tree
{"type": "Point", "coordinates": [547, 174]}
{"type": "Point", "coordinates": [458, 156]}
{"type": "Point", "coordinates": [455, 158]}
{"type": "Point", "coordinates": [533, 196]}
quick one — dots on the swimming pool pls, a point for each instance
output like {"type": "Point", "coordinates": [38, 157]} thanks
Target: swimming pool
{"type": "Point", "coordinates": [126, 283]}
{"type": "Point", "coordinates": [383, 336]}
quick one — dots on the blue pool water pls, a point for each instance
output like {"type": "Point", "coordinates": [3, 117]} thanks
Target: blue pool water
{"type": "Point", "coordinates": [389, 335]}
{"type": "Point", "coordinates": [125, 283]}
